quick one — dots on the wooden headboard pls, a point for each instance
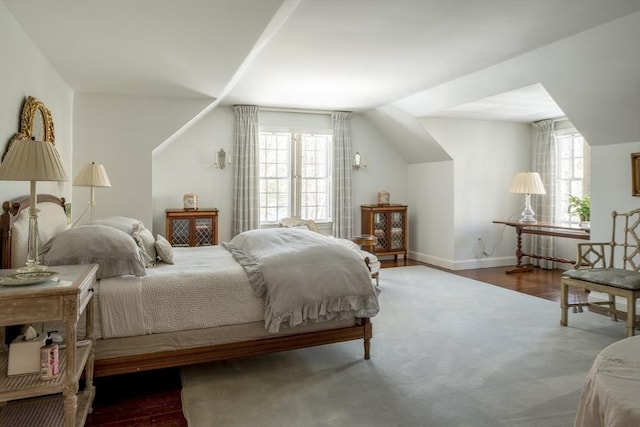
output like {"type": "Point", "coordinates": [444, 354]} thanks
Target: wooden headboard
{"type": "Point", "coordinates": [11, 212]}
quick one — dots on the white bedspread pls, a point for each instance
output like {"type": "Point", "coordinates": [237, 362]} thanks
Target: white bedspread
{"type": "Point", "coordinates": [304, 276]}
{"type": "Point", "coordinates": [611, 392]}
{"type": "Point", "coordinates": [205, 288]}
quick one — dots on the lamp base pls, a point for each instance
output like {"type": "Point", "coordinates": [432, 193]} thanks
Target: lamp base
{"type": "Point", "coordinates": [524, 220]}
{"type": "Point", "coordinates": [32, 268]}
{"type": "Point", "coordinates": [528, 216]}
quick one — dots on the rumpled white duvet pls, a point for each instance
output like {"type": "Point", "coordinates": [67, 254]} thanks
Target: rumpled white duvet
{"type": "Point", "coordinates": [304, 276]}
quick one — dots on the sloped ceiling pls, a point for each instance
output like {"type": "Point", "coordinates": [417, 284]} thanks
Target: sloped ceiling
{"type": "Point", "coordinates": [357, 55]}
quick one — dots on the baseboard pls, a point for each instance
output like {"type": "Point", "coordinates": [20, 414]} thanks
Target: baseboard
{"type": "Point", "coordinates": [463, 264]}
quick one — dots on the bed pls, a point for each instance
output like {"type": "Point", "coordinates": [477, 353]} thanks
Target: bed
{"type": "Point", "coordinates": [212, 303]}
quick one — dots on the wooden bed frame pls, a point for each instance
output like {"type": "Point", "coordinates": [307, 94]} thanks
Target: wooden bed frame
{"type": "Point", "coordinates": [135, 363]}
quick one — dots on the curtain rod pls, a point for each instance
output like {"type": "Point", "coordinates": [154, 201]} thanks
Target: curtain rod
{"type": "Point", "coordinates": [556, 120]}
{"type": "Point", "coordinates": [294, 110]}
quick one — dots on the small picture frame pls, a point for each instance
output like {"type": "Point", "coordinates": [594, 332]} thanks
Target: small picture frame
{"type": "Point", "coordinates": [635, 174]}
{"type": "Point", "coordinates": [190, 201]}
{"type": "Point", "coordinates": [383, 198]}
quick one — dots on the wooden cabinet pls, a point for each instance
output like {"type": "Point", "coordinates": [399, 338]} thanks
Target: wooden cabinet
{"type": "Point", "coordinates": [27, 399]}
{"type": "Point", "coordinates": [389, 224]}
{"type": "Point", "coordinates": [192, 228]}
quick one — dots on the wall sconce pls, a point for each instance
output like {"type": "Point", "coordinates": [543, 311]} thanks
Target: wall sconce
{"type": "Point", "coordinates": [359, 161]}
{"type": "Point", "coordinates": [222, 159]}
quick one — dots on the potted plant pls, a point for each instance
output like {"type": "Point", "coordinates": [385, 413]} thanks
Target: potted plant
{"type": "Point", "coordinates": [581, 206]}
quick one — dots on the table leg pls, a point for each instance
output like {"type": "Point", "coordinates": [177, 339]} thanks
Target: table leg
{"type": "Point", "coordinates": [564, 303]}
{"type": "Point", "coordinates": [519, 268]}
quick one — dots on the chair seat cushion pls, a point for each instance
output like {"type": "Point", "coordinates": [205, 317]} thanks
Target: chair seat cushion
{"type": "Point", "coordinates": [616, 277]}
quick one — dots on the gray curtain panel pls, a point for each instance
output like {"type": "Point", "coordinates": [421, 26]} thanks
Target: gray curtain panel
{"type": "Point", "coordinates": [246, 175]}
{"type": "Point", "coordinates": [544, 162]}
{"type": "Point", "coordinates": [342, 190]}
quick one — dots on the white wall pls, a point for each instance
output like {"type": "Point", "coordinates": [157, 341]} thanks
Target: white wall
{"type": "Point", "coordinates": [610, 186]}
{"type": "Point", "coordinates": [431, 213]}
{"type": "Point", "coordinates": [24, 71]}
{"type": "Point", "coordinates": [486, 156]}
{"type": "Point", "coordinates": [186, 166]}
{"type": "Point", "coordinates": [121, 132]}
{"type": "Point", "coordinates": [386, 169]}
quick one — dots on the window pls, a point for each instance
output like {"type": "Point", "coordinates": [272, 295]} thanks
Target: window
{"type": "Point", "coordinates": [295, 176]}
{"type": "Point", "coordinates": [572, 173]}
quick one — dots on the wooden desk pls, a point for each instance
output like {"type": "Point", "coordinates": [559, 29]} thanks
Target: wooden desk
{"type": "Point", "coordinates": [541, 229]}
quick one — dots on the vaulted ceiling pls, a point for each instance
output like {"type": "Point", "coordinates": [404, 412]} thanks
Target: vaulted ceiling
{"type": "Point", "coordinates": [314, 54]}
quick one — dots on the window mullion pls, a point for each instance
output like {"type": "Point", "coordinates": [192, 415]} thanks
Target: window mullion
{"type": "Point", "coordinates": [296, 191]}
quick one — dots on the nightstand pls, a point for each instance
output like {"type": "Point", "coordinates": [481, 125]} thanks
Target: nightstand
{"type": "Point", "coordinates": [56, 401]}
{"type": "Point", "coordinates": [198, 227]}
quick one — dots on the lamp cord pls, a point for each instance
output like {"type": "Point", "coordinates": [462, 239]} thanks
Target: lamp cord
{"type": "Point", "coordinates": [82, 215]}
{"type": "Point", "coordinates": [481, 242]}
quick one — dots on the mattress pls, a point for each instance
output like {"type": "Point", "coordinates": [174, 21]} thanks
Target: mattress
{"type": "Point", "coordinates": [204, 288]}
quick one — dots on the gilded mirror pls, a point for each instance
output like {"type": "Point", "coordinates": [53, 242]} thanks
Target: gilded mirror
{"type": "Point", "coordinates": [35, 123]}
{"type": "Point", "coordinates": [635, 174]}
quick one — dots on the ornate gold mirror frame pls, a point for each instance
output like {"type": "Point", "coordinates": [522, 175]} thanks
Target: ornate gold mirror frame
{"type": "Point", "coordinates": [35, 123]}
{"type": "Point", "coordinates": [635, 174]}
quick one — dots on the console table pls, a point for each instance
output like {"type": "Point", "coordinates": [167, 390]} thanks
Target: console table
{"type": "Point", "coordinates": [543, 230]}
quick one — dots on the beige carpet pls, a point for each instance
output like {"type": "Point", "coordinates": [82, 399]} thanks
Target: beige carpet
{"type": "Point", "coordinates": [446, 351]}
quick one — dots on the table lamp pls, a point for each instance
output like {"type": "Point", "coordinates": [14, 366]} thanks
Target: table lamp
{"type": "Point", "coordinates": [91, 175]}
{"type": "Point", "coordinates": [527, 183]}
{"type": "Point", "coordinates": [30, 160]}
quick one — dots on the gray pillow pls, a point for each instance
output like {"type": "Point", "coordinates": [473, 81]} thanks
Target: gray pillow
{"type": "Point", "coordinates": [115, 251]}
{"type": "Point", "coordinates": [122, 223]}
{"type": "Point", "coordinates": [164, 249]}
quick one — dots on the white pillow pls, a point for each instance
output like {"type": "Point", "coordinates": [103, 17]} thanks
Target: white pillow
{"type": "Point", "coordinates": [115, 251]}
{"type": "Point", "coordinates": [146, 242]}
{"type": "Point", "coordinates": [164, 249]}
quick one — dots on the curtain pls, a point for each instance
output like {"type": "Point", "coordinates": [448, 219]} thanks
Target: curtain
{"type": "Point", "coordinates": [246, 176]}
{"type": "Point", "coordinates": [342, 211]}
{"type": "Point", "coordinates": [544, 162]}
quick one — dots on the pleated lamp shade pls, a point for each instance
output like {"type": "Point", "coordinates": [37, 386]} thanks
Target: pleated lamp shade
{"type": "Point", "coordinates": [29, 160]}
{"type": "Point", "coordinates": [92, 175]}
{"type": "Point", "coordinates": [527, 183]}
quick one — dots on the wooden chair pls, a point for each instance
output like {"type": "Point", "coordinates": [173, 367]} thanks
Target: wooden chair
{"type": "Point", "coordinates": [612, 268]}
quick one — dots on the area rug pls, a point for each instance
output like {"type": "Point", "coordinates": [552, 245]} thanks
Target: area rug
{"type": "Point", "coordinates": [446, 351]}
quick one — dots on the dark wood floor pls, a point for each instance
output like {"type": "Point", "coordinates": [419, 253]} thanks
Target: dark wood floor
{"type": "Point", "coordinates": [153, 398]}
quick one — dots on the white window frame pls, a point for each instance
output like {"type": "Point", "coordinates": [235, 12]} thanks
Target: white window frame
{"type": "Point", "coordinates": [561, 214]}
{"type": "Point", "coordinates": [294, 177]}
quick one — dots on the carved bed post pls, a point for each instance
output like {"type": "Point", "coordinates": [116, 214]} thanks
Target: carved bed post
{"type": "Point", "coordinates": [5, 235]}
{"type": "Point", "coordinates": [368, 333]}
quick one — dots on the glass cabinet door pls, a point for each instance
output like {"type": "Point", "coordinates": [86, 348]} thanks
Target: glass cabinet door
{"type": "Point", "coordinates": [180, 231]}
{"type": "Point", "coordinates": [397, 230]}
{"type": "Point", "coordinates": [380, 229]}
{"type": "Point", "coordinates": [204, 232]}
